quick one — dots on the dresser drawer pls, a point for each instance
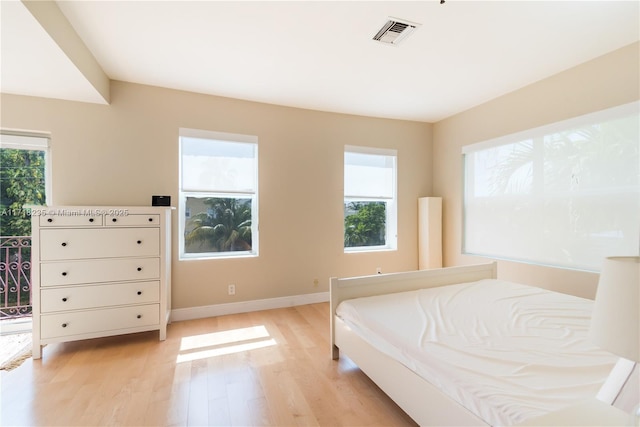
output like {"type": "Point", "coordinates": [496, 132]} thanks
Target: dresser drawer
{"type": "Point", "coordinates": [63, 244]}
{"type": "Point", "coordinates": [132, 220]}
{"type": "Point", "coordinates": [95, 296]}
{"type": "Point", "coordinates": [103, 320]}
{"type": "Point", "coordinates": [71, 221]}
{"type": "Point", "coordinates": [98, 270]}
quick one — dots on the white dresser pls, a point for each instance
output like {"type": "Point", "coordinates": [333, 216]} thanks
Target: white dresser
{"type": "Point", "coordinates": [99, 271]}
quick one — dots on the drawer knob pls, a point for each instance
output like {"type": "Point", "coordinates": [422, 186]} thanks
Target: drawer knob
{"type": "Point", "coordinates": [64, 273]}
{"type": "Point", "coordinates": [139, 292]}
{"type": "Point", "coordinates": [150, 219]}
{"type": "Point", "coordinates": [64, 299]}
{"type": "Point", "coordinates": [139, 242]}
{"type": "Point", "coordinates": [90, 219]}
{"type": "Point", "coordinates": [64, 325]}
{"type": "Point", "coordinates": [49, 219]}
{"type": "Point", "coordinates": [114, 219]}
{"type": "Point", "coordinates": [139, 316]}
{"type": "Point", "coordinates": [139, 268]}
{"type": "Point", "coordinates": [64, 243]}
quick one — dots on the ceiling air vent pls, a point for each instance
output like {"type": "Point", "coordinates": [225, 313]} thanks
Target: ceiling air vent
{"type": "Point", "coordinates": [394, 31]}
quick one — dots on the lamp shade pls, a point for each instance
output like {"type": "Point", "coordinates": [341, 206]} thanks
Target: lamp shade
{"type": "Point", "coordinates": [615, 323]}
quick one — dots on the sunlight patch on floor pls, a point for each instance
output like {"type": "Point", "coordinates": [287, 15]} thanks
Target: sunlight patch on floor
{"type": "Point", "coordinates": [215, 344]}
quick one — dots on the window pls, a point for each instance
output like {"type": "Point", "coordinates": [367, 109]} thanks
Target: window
{"type": "Point", "coordinates": [369, 199]}
{"type": "Point", "coordinates": [24, 181]}
{"type": "Point", "coordinates": [566, 194]}
{"type": "Point", "coordinates": [218, 194]}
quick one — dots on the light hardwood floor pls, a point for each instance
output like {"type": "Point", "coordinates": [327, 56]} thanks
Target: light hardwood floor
{"type": "Point", "coordinates": [262, 368]}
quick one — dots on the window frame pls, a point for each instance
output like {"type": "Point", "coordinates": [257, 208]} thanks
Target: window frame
{"type": "Point", "coordinates": [217, 193]}
{"type": "Point", "coordinates": [391, 209]}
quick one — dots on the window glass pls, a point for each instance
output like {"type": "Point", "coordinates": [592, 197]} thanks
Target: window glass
{"type": "Point", "coordinates": [24, 180]}
{"type": "Point", "coordinates": [218, 224]}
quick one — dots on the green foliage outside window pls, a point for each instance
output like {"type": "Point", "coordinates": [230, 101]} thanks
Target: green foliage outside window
{"type": "Point", "coordinates": [221, 225]}
{"type": "Point", "coordinates": [22, 183]}
{"type": "Point", "coordinates": [365, 224]}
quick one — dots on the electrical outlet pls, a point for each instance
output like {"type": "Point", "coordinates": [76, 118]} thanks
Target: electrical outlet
{"type": "Point", "coordinates": [315, 283]}
{"type": "Point", "coordinates": [232, 289]}
{"type": "Point", "coordinates": [378, 270]}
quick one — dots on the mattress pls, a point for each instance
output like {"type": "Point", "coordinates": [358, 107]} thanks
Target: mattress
{"type": "Point", "coordinates": [505, 351]}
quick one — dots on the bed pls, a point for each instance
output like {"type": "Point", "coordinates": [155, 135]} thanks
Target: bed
{"type": "Point", "coordinates": [457, 346]}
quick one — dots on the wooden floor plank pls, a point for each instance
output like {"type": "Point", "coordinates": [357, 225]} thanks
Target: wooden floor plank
{"type": "Point", "coordinates": [262, 368]}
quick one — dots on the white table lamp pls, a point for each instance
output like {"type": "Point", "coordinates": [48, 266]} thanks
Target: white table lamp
{"type": "Point", "coordinates": [615, 322]}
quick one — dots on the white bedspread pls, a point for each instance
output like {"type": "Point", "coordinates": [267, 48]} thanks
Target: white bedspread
{"type": "Point", "coordinates": [505, 351]}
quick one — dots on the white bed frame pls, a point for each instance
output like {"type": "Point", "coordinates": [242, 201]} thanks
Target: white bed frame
{"type": "Point", "coordinates": [422, 401]}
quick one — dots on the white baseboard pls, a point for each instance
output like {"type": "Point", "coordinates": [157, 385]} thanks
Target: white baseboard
{"type": "Point", "coordinates": [179, 314]}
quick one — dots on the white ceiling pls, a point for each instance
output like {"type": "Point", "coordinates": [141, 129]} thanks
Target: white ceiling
{"type": "Point", "coordinates": [319, 54]}
{"type": "Point", "coordinates": [31, 63]}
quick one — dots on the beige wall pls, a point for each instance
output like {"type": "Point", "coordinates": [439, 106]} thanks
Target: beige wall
{"type": "Point", "coordinates": [604, 82]}
{"type": "Point", "coordinates": [123, 153]}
